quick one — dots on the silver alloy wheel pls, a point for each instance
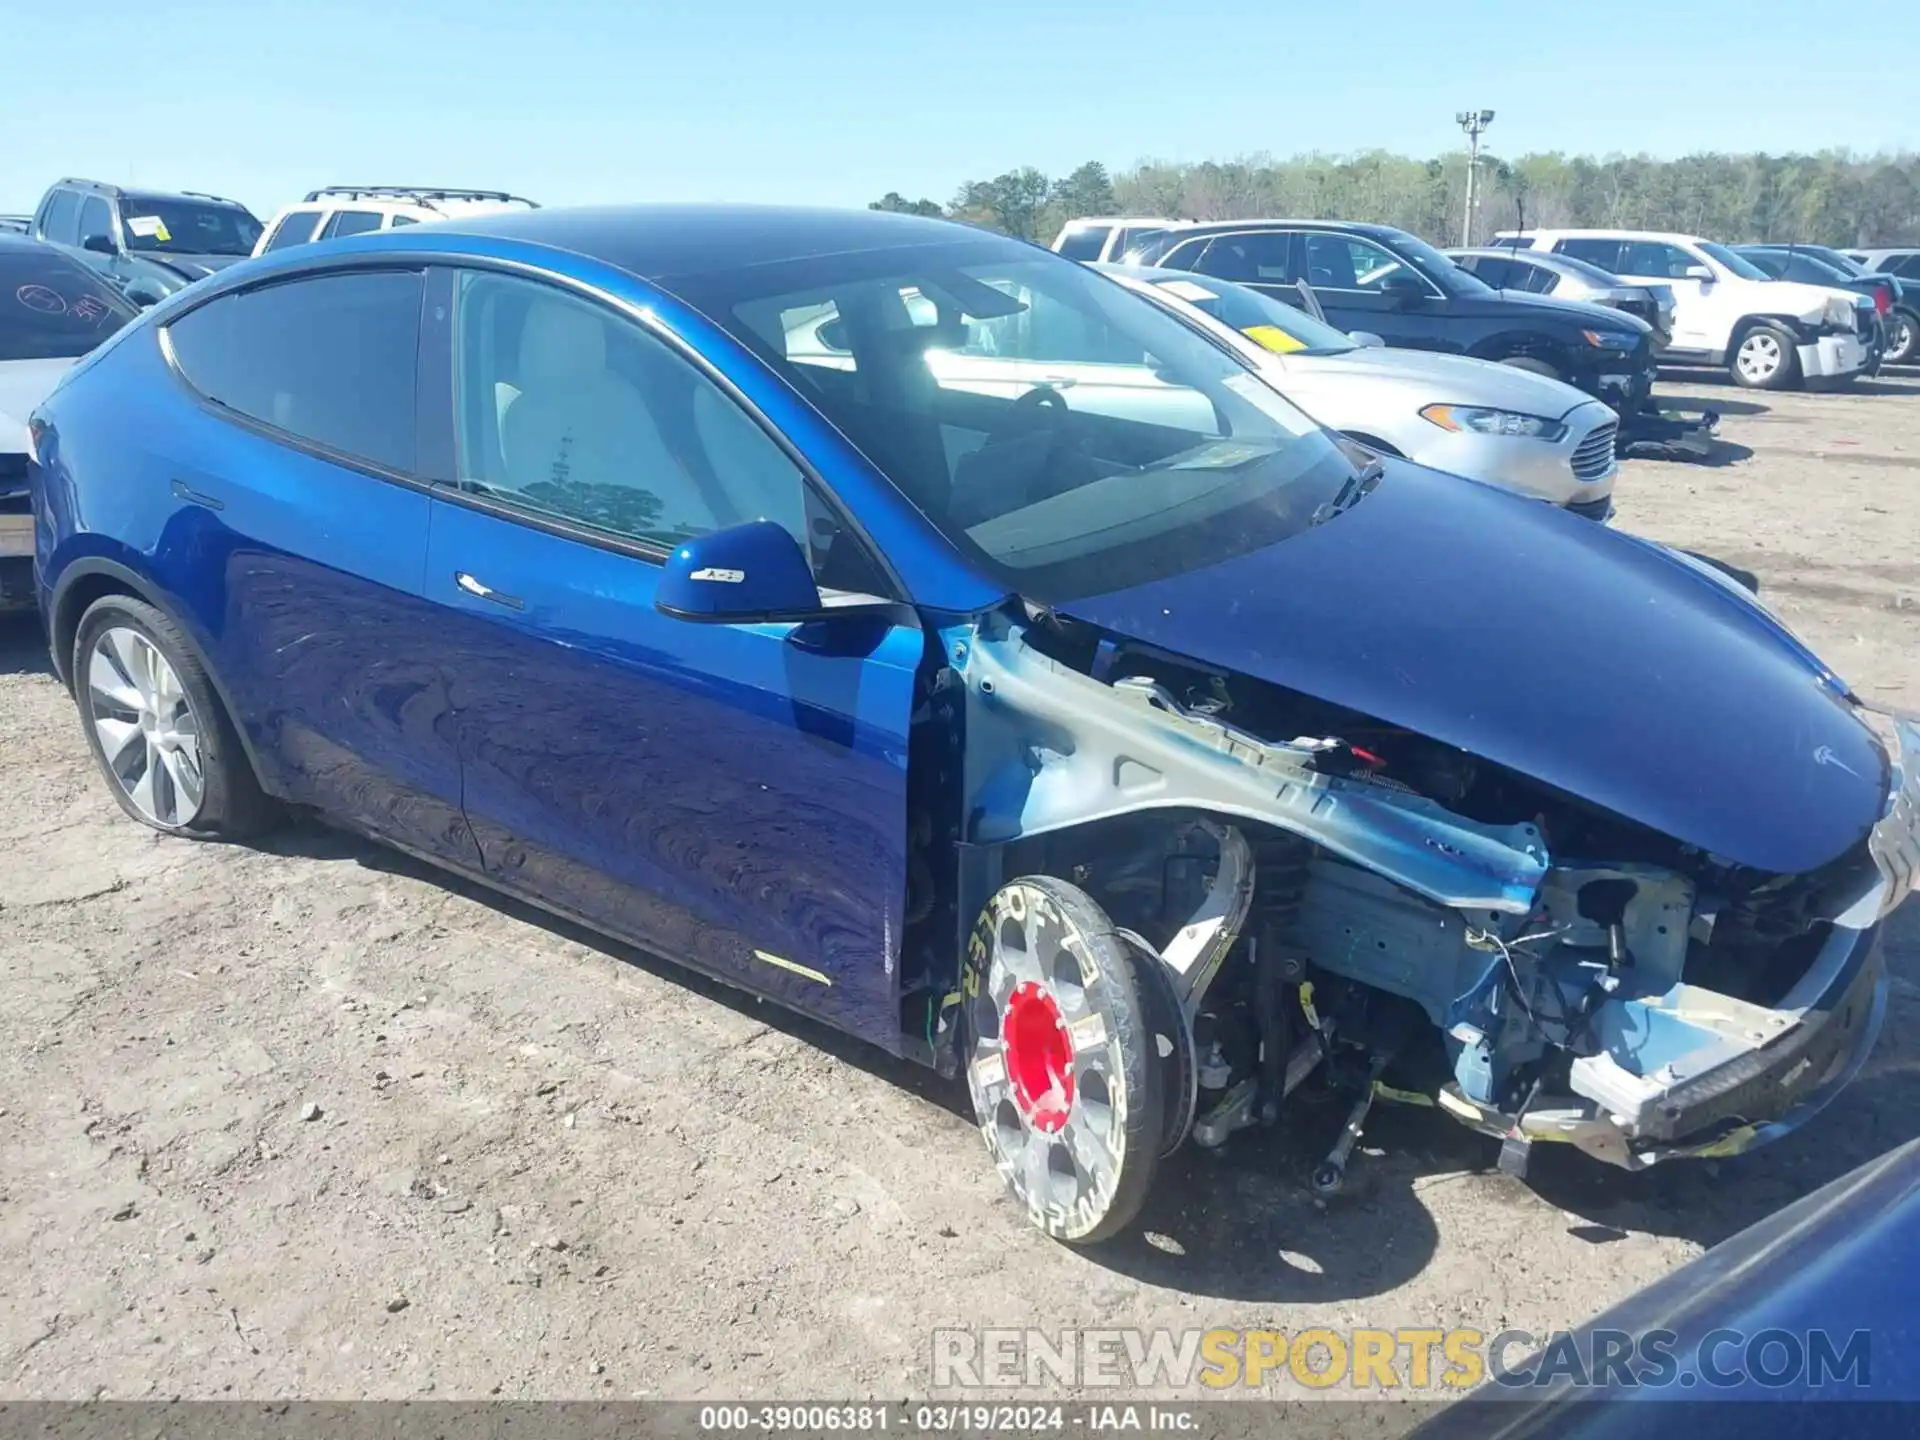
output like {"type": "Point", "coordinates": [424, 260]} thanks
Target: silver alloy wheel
{"type": "Point", "coordinates": [1901, 341]}
{"type": "Point", "coordinates": [146, 727]}
{"type": "Point", "coordinates": [1761, 355]}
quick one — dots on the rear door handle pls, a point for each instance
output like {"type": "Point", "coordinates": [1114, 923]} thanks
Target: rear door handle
{"type": "Point", "coordinates": [486, 592]}
{"type": "Point", "coordinates": [184, 491]}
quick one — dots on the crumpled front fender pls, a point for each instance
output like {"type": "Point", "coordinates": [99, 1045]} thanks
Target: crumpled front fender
{"type": "Point", "coordinates": [1048, 747]}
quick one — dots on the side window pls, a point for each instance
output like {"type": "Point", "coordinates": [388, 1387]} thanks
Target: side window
{"type": "Point", "coordinates": [1347, 262]}
{"type": "Point", "coordinates": [1594, 250]}
{"type": "Point", "coordinates": [1085, 243]}
{"type": "Point", "coordinates": [1909, 267]}
{"type": "Point", "coordinates": [60, 223]}
{"type": "Point", "coordinates": [567, 409]}
{"type": "Point", "coordinates": [1497, 271]}
{"type": "Point", "coordinates": [351, 222]}
{"type": "Point", "coordinates": [1656, 259]}
{"type": "Point", "coordinates": [396, 221]}
{"type": "Point", "coordinates": [295, 228]}
{"type": "Point", "coordinates": [95, 218]}
{"type": "Point", "coordinates": [1184, 257]}
{"type": "Point", "coordinates": [1259, 258]}
{"type": "Point", "coordinates": [1534, 279]}
{"type": "Point", "coordinates": [329, 359]}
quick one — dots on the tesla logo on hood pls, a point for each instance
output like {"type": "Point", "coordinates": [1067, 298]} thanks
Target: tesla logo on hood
{"type": "Point", "coordinates": [1825, 756]}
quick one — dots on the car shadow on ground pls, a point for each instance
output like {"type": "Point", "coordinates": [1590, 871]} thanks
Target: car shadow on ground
{"type": "Point", "coordinates": [1690, 406]}
{"type": "Point", "coordinates": [309, 839]}
{"type": "Point", "coordinates": [1746, 579]}
{"type": "Point", "coordinates": [23, 646]}
{"type": "Point", "coordinates": [1241, 1223]}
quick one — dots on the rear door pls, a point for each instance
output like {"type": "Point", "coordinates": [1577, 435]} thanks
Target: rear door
{"type": "Point", "coordinates": [729, 795]}
{"type": "Point", "coordinates": [299, 541]}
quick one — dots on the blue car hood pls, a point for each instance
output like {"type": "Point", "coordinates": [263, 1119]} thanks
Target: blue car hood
{"type": "Point", "coordinates": [1603, 666]}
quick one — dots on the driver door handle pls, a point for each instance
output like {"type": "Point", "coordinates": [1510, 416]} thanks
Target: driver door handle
{"type": "Point", "coordinates": [482, 591]}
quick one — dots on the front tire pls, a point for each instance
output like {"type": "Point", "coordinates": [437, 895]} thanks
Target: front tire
{"type": "Point", "coordinates": [1903, 339]}
{"type": "Point", "coordinates": [157, 728]}
{"type": "Point", "coordinates": [1534, 366]}
{"type": "Point", "coordinates": [1765, 359]}
{"type": "Point", "coordinates": [1068, 1086]}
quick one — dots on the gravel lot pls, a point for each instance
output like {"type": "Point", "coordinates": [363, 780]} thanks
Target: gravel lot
{"type": "Point", "coordinates": [544, 1166]}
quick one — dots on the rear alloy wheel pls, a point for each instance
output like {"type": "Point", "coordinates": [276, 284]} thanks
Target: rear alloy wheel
{"type": "Point", "coordinates": [1903, 339]}
{"type": "Point", "coordinates": [1068, 1088]}
{"type": "Point", "coordinates": [1765, 360]}
{"type": "Point", "coordinates": [156, 727]}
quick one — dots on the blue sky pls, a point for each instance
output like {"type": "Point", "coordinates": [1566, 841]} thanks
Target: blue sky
{"type": "Point", "coordinates": [838, 101]}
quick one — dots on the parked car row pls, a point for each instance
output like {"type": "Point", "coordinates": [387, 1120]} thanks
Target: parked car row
{"type": "Point", "coordinates": [983, 653]}
{"type": "Point", "coordinates": [1706, 303]}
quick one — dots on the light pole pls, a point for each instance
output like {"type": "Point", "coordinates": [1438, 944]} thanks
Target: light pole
{"type": "Point", "coordinates": [1473, 122]}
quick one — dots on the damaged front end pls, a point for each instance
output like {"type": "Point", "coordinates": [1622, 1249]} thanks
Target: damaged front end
{"type": "Point", "coordinates": [1317, 888]}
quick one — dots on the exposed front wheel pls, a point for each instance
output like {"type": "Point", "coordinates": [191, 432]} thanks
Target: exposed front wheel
{"type": "Point", "coordinates": [1903, 339]}
{"type": "Point", "coordinates": [157, 728]}
{"type": "Point", "coordinates": [1064, 1059]}
{"type": "Point", "coordinates": [1765, 360]}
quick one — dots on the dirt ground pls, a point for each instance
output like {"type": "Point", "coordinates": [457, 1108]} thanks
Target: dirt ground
{"type": "Point", "coordinates": [543, 1166]}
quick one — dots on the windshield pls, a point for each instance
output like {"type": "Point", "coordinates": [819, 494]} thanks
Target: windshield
{"type": "Point", "coordinates": [186, 227]}
{"type": "Point", "coordinates": [51, 307]}
{"type": "Point", "coordinates": [1738, 264]}
{"type": "Point", "coordinates": [1066, 434]}
{"type": "Point", "coordinates": [1281, 328]}
{"type": "Point", "coordinates": [1437, 267]}
{"type": "Point", "coordinates": [1834, 258]}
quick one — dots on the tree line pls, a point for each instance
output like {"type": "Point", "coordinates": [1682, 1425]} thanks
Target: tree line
{"type": "Point", "coordinates": [1831, 198]}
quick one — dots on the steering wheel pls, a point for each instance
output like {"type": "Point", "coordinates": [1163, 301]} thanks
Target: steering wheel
{"type": "Point", "coordinates": [1026, 414]}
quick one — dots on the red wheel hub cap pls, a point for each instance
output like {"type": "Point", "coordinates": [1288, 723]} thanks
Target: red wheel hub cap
{"type": "Point", "coordinates": [1039, 1057]}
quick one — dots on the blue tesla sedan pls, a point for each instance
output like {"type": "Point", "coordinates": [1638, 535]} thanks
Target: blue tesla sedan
{"type": "Point", "coordinates": [922, 631]}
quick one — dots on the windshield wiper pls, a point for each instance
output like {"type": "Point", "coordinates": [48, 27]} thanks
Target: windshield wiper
{"type": "Point", "coordinates": [1357, 487]}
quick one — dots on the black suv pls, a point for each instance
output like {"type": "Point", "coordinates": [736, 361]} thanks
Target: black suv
{"type": "Point", "coordinates": [147, 243]}
{"type": "Point", "coordinates": [1379, 279]}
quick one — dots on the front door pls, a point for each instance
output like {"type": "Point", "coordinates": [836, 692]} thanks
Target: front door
{"type": "Point", "coordinates": [729, 795]}
{"type": "Point", "coordinates": [1703, 312]}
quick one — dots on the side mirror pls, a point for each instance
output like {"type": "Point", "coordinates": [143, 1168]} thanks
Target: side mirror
{"type": "Point", "coordinates": [744, 575]}
{"type": "Point", "coordinates": [144, 298]}
{"type": "Point", "coordinates": [1698, 272]}
{"type": "Point", "coordinates": [99, 244]}
{"type": "Point", "coordinates": [1403, 289]}
{"type": "Point", "coordinates": [1366, 339]}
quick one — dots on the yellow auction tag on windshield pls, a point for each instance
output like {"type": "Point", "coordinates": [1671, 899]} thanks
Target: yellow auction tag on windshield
{"type": "Point", "coordinates": [1274, 339]}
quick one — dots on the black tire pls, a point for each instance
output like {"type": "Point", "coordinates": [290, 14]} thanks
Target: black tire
{"type": "Point", "coordinates": [1746, 365]}
{"type": "Point", "coordinates": [1046, 972]}
{"type": "Point", "coordinates": [1903, 338]}
{"type": "Point", "coordinates": [1533, 365]}
{"type": "Point", "coordinates": [232, 805]}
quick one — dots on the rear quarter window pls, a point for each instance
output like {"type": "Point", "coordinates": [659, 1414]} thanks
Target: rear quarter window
{"type": "Point", "coordinates": [296, 228]}
{"type": "Point", "coordinates": [1085, 243]}
{"type": "Point", "coordinates": [326, 359]}
{"type": "Point", "coordinates": [59, 222]}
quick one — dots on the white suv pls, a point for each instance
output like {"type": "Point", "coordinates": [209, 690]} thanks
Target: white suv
{"type": "Point", "coordinates": [1110, 237]}
{"type": "Point", "coordinates": [1770, 334]}
{"type": "Point", "coordinates": [341, 210]}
